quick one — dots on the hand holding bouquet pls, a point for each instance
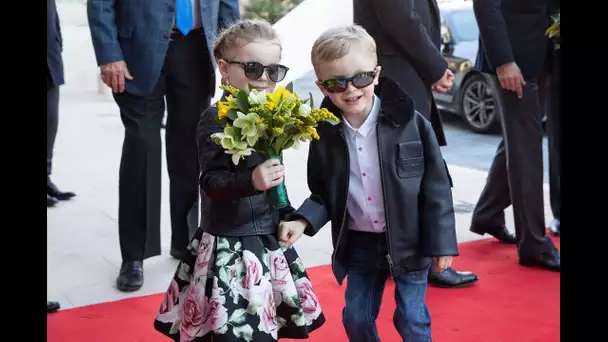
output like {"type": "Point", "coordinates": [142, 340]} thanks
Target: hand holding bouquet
{"type": "Point", "coordinates": [267, 123]}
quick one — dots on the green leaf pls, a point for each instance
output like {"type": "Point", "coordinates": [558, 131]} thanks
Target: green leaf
{"type": "Point", "coordinates": [223, 258]}
{"type": "Point", "coordinates": [175, 327]}
{"type": "Point", "coordinates": [279, 143]}
{"type": "Point", "coordinates": [224, 276]}
{"type": "Point", "coordinates": [232, 114]}
{"type": "Point", "coordinates": [242, 101]}
{"type": "Point", "coordinates": [289, 87]}
{"type": "Point", "coordinates": [332, 121]}
{"type": "Point", "coordinates": [222, 243]}
{"type": "Point", "coordinates": [237, 246]}
{"type": "Point", "coordinates": [245, 332]}
{"type": "Point", "coordinates": [312, 105]}
{"type": "Point", "coordinates": [238, 316]}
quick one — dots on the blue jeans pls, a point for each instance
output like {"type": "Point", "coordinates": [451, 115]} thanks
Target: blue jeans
{"type": "Point", "coordinates": [368, 270]}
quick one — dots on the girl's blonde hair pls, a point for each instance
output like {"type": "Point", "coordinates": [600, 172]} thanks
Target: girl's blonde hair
{"type": "Point", "coordinates": [242, 33]}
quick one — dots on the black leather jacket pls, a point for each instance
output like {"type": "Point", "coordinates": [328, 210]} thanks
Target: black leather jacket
{"type": "Point", "coordinates": [231, 206]}
{"type": "Point", "coordinates": [416, 185]}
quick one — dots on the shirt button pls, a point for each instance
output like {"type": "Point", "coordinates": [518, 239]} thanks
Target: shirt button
{"type": "Point", "coordinates": [369, 198]}
{"type": "Point", "coordinates": [375, 221]}
{"type": "Point", "coordinates": [364, 174]}
{"type": "Point", "coordinates": [360, 148]}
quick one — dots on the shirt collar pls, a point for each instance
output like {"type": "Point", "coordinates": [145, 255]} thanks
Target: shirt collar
{"type": "Point", "coordinates": [369, 122]}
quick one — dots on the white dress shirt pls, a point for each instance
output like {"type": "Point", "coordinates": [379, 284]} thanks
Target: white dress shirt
{"type": "Point", "coordinates": [365, 201]}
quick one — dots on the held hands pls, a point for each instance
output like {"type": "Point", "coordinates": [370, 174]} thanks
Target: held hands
{"type": "Point", "coordinates": [445, 83]}
{"type": "Point", "coordinates": [510, 78]}
{"type": "Point", "coordinates": [114, 74]}
{"type": "Point", "coordinates": [290, 231]}
{"type": "Point", "coordinates": [268, 174]}
{"type": "Point", "coordinates": [442, 263]}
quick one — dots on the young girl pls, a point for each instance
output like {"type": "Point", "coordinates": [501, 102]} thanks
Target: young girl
{"type": "Point", "coordinates": [238, 284]}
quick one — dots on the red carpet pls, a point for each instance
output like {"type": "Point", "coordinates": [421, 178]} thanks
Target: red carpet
{"type": "Point", "coordinates": [510, 303]}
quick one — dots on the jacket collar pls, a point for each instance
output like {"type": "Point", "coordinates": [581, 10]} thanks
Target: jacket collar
{"type": "Point", "coordinates": [397, 105]}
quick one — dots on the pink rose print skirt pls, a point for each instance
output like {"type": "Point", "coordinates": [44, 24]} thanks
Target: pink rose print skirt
{"type": "Point", "coordinates": [239, 289]}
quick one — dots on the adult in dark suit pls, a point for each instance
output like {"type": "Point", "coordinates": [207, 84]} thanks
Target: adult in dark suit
{"type": "Point", "coordinates": [54, 78]}
{"type": "Point", "coordinates": [408, 38]}
{"type": "Point", "coordinates": [515, 49]}
{"type": "Point", "coordinates": [554, 134]}
{"type": "Point", "coordinates": [150, 52]}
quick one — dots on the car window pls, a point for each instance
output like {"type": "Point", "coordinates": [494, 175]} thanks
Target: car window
{"type": "Point", "coordinates": [464, 25]}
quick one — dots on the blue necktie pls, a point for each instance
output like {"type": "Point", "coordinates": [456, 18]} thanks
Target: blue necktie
{"type": "Point", "coordinates": [183, 16]}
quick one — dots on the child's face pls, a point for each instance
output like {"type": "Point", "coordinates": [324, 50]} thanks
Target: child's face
{"type": "Point", "coordinates": [354, 102]}
{"type": "Point", "coordinates": [262, 52]}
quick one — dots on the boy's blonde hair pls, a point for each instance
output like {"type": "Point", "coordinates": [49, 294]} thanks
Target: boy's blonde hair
{"type": "Point", "coordinates": [337, 42]}
{"type": "Point", "coordinates": [242, 33]}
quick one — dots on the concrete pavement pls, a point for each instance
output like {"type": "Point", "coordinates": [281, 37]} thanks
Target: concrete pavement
{"type": "Point", "coordinates": [83, 256]}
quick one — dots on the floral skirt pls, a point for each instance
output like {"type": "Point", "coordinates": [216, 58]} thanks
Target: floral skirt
{"type": "Point", "coordinates": [245, 288]}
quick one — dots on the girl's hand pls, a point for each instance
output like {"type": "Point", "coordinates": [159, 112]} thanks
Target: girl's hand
{"type": "Point", "coordinates": [268, 174]}
{"type": "Point", "coordinates": [442, 263]}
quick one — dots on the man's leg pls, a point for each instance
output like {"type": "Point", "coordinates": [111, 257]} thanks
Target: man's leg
{"type": "Point", "coordinates": [554, 135]}
{"type": "Point", "coordinates": [139, 181]}
{"type": "Point", "coordinates": [411, 317]}
{"type": "Point", "coordinates": [366, 277]}
{"type": "Point", "coordinates": [52, 120]}
{"type": "Point", "coordinates": [188, 79]}
{"type": "Point", "coordinates": [523, 134]}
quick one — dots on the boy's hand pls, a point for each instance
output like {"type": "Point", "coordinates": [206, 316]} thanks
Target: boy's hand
{"type": "Point", "coordinates": [442, 263]}
{"type": "Point", "coordinates": [290, 231]}
{"type": "Point", "coordinates": [268, 174]}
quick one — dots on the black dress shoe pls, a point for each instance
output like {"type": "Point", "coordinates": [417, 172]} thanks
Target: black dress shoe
{"type": "Point", "coordinates": [131, 276]}
{"type": "Point", "coordinates": [52, 306]}
{"type": "Point", "coordinates": [451, 278]}
{"type": "Point", "coordinates": [53, 191]}
{"type": "Point", "coordinates": [547, 261]}
{"type": "Point", "coordinates": [50, 201]}
{"type": "Point", "coordinates": [554, 227]}
{"type": "Point", "coordinates": [500, 233]}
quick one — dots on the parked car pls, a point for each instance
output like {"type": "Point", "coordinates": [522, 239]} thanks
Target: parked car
{"type": "Point", "coordinates": [473, 94]}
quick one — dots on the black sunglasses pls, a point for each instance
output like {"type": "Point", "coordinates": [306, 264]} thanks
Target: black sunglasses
{"type": "Point", "coordinates": [340, 84]}
{"type": "Point", "coordinates": [254, 70]}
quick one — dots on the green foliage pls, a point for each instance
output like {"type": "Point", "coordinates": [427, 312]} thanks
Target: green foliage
{"type": "Point", "coordinates": [269, 10]}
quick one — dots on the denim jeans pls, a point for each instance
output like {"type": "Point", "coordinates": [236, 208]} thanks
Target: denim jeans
{"type": "Point", "coordinates": [368, 270]}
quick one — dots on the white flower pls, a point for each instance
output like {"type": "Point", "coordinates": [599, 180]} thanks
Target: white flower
{"type": "Point", "coordinates": [257, 97]}
{"type": "Point", "coordinates": [238, 154]}
{"type": "Point", "coordinates": [304, 110]}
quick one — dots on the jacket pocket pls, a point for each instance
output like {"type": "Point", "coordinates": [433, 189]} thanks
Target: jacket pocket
{"type": "Point", "coordinates": [410, 159]}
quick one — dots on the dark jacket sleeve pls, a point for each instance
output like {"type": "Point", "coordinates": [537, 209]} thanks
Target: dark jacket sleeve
{"type": "Point", "coordinates": [102, 23]}
{"type": "Point", "coordinates": [220, 179]}
{"type": "Point", "coordinates": [229, 13]}
{"type": "Point", "coordinates": [493, 32]}
{"type": "Point", "coordinates": [313, 209]}
{"type": "Point", "coordinates": [402, 23]}
{"type": "Point", "coordinates": [438, 224]}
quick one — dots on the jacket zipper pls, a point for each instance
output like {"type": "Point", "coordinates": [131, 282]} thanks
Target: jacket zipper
{"type": "Point", "coordinates": [255, 225]}
{"type": "Point", "coordinates": [345, 199]}
{"type": "Point", "coordinates": [388, 236]}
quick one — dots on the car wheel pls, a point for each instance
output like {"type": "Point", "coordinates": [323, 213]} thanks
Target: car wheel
{"type": "Point", "coordinates": [478, 105]}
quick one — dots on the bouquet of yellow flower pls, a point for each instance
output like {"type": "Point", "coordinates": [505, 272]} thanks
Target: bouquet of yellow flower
{"type": "Point", "coordinates": [267, 123]}
{"type": "Point", "coordinates": [553, 30]}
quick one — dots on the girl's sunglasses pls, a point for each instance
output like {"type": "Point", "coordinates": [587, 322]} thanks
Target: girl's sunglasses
{"type": "Point", "coordinates": [254, 70]}
{"type": "Point", "coordinates": [340, 84]}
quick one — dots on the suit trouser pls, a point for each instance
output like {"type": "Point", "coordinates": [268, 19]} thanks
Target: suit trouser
{"type": "Point", "coordinates": [554, 135]}
{"type": "Point", "coordinates": [52, 120]}
{"type": "Point", "coordinates": [185, 82]}
{"type": "Point", "coordinates": [516, 174]}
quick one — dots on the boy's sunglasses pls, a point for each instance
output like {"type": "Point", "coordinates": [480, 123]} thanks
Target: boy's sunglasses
{"type": "Point", "coordinates": [254, 70]}
{"type": "Point", "coordinates": [340, 84]}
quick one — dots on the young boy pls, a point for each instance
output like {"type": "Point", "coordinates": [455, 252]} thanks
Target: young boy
{"type": "Point", "coordinates": [380, 179]}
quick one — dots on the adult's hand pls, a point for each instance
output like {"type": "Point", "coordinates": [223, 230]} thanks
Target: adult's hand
{"type": "Point", "coordinates": [114, 75]}
{"type": "Point", "coordinates": [510, 78]}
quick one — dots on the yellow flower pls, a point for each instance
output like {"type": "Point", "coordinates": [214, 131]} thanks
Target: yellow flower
{"type": "Point", "coordinates": [222, 109]}
{"type": "Point", "coordinates": [231, 101]}
{"type": "Point", "coordinates": [270, 106]}
{"type": "Point", "coordinates": [279, 119]}
{"type": "Point", "coordinates": [259, 120]}
{"type": "Point", "coordinates": [279, 94]}
{"type": "Point", "coordinates": [276, 131]}
{"type": "Point", "coordinates": [313, 132]}
{"type": "Point", "coordinates": [232, 90]}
